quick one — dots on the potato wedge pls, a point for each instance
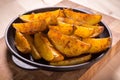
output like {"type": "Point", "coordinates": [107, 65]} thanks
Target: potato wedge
{"type": "Point", "coordinates": [72, 61]}
{"type": "Point", "coordinates": [35, 54]}
{"type": "Point", "coordinates": [98, 45]}
{"type": "Point", "coordinates": [50, 17]}
{"type": "Point", "coordinates": [30, 27]}
{"type": "Point", "coordinates": [21, 43]}
{"type": "Point", "coordinates": [64, 28]}
{"type": "Point", "coordinates": [83, 18]}
{"type": "Point", "coordinates": [68, 21]}
{"type": "Point", "coordinates": [67, 45]}
{"type": "Point", "coordinates": [46, 49]}
{"type": "Point", "coordinates": [97, 30]}
{"type": "Point", "coordinates": [84, 32]}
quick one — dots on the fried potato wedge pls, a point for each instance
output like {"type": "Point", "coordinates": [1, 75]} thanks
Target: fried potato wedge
{"type": "Point", "coordinates": [84, 32]}
{"type": "Point", "coordinates": [98, 45]}
{"type": "Point", "coordinates": [50, 17]}
{"type": "Point", "coordinates": [72, 61]}
{"type": "Point", "coordinates": [21, 43]}
{"type": "Point", "coordinates": [83, 18]}
{"type": "Point", "coordinates": [64, 28]}
{"type": "Point", "coordinates": [97, 30]}
{"type": "Point", "coordinates": [30, 27]}
{"type": "Point", "coordinates": [68, 21]}
{"type": "Point", "coordinates": [67, 45]}
{"type": "Point", "coordinates": [45, 48]}
{"type": "Point", "coordinates": [35, 54]}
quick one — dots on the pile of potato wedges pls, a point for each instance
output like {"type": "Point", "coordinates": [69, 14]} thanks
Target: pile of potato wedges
{"type": "Point", "coordinates": [62, 37]}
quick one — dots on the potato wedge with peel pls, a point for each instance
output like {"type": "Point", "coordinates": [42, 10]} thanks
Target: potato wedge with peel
{"type": "Point", "coordinates": [68, 21]}
{"type": "Point", "coordinates": [97, 29]}
{"type": "Point", "coordinates": [67, 45]}
{"type": "Point", "coordinates": [63, 28]}
{"type": "Point", "coordinates": [21, 43]}
{"type": "Point", "coordinates": [50, 17]}
{"type": "Point", "coordinates": [72, 61]}
{"type": "Point", "coordinates": [35, 54]}
{"type": "Point", "coordinates": [45, 48]}
{"type": "Point", "coordinates": [83, 18]}
{"type": "Point", "coordinates": [98, 44]}
{"type": "Point", "coordinates": [84, 32]}
{"type": "Point", "coordinates": [30, 27]}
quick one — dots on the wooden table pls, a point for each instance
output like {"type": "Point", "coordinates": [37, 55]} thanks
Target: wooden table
{"type": "Point", "coordinates": [104, 69]}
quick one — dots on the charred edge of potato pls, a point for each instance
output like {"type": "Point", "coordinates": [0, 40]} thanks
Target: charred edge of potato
{"type": "Point", "coordinates": [72, 61]}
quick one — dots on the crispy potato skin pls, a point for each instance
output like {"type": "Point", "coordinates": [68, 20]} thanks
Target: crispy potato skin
{"type": "Point", "coordinates": [35, 54]}
{"type": "Point", "coordinates": [67, 45]}
{"type": "Point", "coordinates": [98, 45]}
{"type": "Point", "coordinates": [82, 17]}
{"type": "Point", "coordinates": [22, 43]}
{"type": "Point", "coordinates": [46, 49]}
{"type": "Point", "coordinates": [30, 27]}
{"type": "Point", "coordinates": [72, 61]}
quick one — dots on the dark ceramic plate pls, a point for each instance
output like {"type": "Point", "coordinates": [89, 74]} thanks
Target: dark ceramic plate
{"type": "Point", "coordinates": [27, 62]}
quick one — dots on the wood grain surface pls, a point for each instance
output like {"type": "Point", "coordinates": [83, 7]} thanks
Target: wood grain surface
{"type": "Point", "coordinates": [9, 71]}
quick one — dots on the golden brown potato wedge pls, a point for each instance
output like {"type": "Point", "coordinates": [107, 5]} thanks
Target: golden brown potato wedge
{"type": "Point", "coordinates": [21, 43]}
{"type": "Point", "coordinates": [68, 21]}
{"type": "Point", "coordinates": [50, 17]}
{"type": "Point", "coordinates": [35, 54]}
{"type": "Point", "coordinates": [64, 28]}
{"type": "Point", "coordinates": [46, 49]}
{"type": "Point", "coordinates": [67, 45]}
{"type": "Point", "coordinates": [30, 27]}
{"type": "Point", "coordinates": [84, 32]}
{"type": "Point", "coordinates": [98, 45]}
{"type": "Point", "coordinates": [82, 17]}
{"type": "Point", "coordinates": [72, 61]}
{"type": "Point", "coordinates": [97, 29]}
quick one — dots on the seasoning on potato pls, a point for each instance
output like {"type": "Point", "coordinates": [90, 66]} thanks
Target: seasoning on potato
{"type": "Point", "coordinates": [98, 44]}
{"type": "Point", "coordinates": [35, 54]}
{"type": "Point", "coordinates": [46, 48]}
{"type": "Point", "coordinates": [72, 61]}
{"type": "Point", "coordinates": [21, 43]}
{"type": "Point", "coordinates": [68, 45]}
{"type": "Point", "coordinates": [61, 37]}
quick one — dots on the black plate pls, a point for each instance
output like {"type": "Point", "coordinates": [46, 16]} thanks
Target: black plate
{"type": "Point", "coordinates": [41, 64]}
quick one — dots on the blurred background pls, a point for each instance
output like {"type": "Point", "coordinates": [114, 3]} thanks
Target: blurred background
{"type": "Point", "coordinates": [12, 8]}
